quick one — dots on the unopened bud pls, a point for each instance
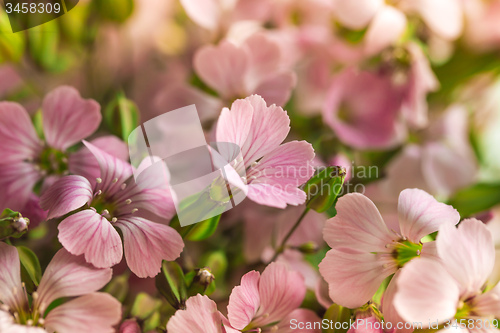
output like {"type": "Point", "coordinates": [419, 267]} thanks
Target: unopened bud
{"type": "Point", "coordinates": [308, 248]}
{"type": "Point", "coordinates": [324, 187]}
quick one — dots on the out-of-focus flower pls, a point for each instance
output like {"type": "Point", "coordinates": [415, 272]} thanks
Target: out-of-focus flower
{"type": "Point", "coordinates": [274, 170]}
{"type": "Point", "coordinates": [452, 288]}
{"type": "Point", "coordinates": [26, 160]}
{"type": "Point", "coordinates": [11, 80]}
{"type": "Point", "coordinates": [217, 16]}
{"type": "Point", "coordinates": [387, 22]}
{"type": "Point", "coordinates": [366, 250]}
{"type": "Point", "coordinates": [130, 326]}
{"type": "Point", "coordinates": [254, 67]}
{"type": "Point", "coordinates": [370, 119]}
{"type": "Point", "coordinates": [482, 30]}
{"type": "Point", "coordinates": [112, 203]}
{"type": "Point", "coordinates": [65, 276]}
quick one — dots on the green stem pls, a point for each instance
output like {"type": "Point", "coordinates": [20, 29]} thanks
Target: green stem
{"type": "Point", "coordinates": [281, 248]}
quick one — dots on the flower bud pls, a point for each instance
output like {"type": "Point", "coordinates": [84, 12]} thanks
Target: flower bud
{"type": "Point", "coordinates": [324, 187]}
{"type": "Point", "coordinates": [308, 248]}
{"type": "Point", "coordinates": [12, 224]}
{"type": "Point", "coordinates": [202, 280]}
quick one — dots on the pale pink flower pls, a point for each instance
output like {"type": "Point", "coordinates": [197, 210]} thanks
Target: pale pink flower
{"type": "Point", "coordinates": [366, 250]}
{"type": "Point", "coordinates": [363, 109]}
{"type": "Point", "coordinates": [264, 301]}
{"type": "Point", "coordinates": [200, 316]}
{"type": "Point", "coordinates": [130, 326]}
{"type": "Point", "coordinates": [218, 15]}
{"type": "Point", "coordinates": [482, 30]}
{"type": "Point", "coordinates": [112, 202]}
{"type": "Point", "coordinates": [65, 276]}
{"type": "Point", "coordinates": [27, 160]}
{"type": "Point", "coordinates": [254, 67]}
{"type": "Point", "coordinates": [442, 17]}
{"type": "Point", "coordinates": [274, 170]}
{"type": "Point", "coordinates": [454, 287]}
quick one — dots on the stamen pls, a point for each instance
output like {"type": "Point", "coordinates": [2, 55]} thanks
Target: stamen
{"type": "Point", "coordinates": [105, 212]}
{"type": "Point", "coordinates": [134, 210]}
{"type": "Point", "coordinates": [29, 322]}
{"type": "Point", "coordinates": [115, 180]}
{"type": "Point", "coordinates": [34, 295]}
{"type": "Point", "coordinates": [418, 252]}
{"type": "Point", "coordinates": [41, 321]}
{"type": "Point", "coordinates": [4, 307]}
{"type": "Point", "coordinates": [98, 180]}
{"type": "Point", "coordinates": [114, 219]}
{"type": "Point", "coordinates": [64, 160]}
{"type": "Point", "coordinates": [99, 192]}
{"type": "Point", "coordinates": [95, 210]}
{"type": "Point", "coordinates": [254, 164]}
{"type": "Point", "coordinates": [128, 201]}
{"type": "Point", "coordinates": [123, 186]}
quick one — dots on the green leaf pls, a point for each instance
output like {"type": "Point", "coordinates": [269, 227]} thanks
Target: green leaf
{"type": "Point", "coordinates": [476, 199]}
{"type": "Point", "coordinates": [30, 264]}
{"type": "Point", "coordinates": [197, 231]}
{"type": "Point", "coordinates": [324, 187]}
{"type": "Point", "coordinates": [171, 284]}
{"type": "Point", "coordinates": [144, 306]}
{"type": "Point", "coordinates": [11, 44]}
{"type": "Point", "coordinates": [118, 11]}
{"type": "Point", "coordinates": [121, 116]}
{"type": "Point", "coordinates": [118, 287]}
{"type": "Point", "coordinates": [337, 314]}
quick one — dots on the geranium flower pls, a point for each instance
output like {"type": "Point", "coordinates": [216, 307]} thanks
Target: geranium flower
{"type": "Point", "coordinates": [274, 170]}
{"type": "Point", "coordinates": [27, 160]}
{"type": "Point", "coordinates": [453, 287]}
{"type": "Point", "coordinates": [366, 250]}
{"type": "Point", "coordinates": [262, 303]}
{"type": "Point", "coordinates": [112, 203]}
{"type": "Point", "coordinates": [65, 276]}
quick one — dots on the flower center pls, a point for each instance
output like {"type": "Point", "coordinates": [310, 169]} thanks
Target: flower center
{"type": "Point", "coordinates": [23, 313]}
{"type": "Point", "coordinates": [404, 251]}
{"type": "Point", "coordinates": [52, 162]}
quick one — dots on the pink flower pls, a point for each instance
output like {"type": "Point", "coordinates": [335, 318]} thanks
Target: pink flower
{"type": "Point", "coordinates": [130, 326]}
{"type": "Point", "coordinates": [363, 110]}
{"type": "Point", "coordinates": [112, 203]}
{"type": "Point", "coordinates": [366, 250]}
{"type": "Point", "coordinates": [274, 170]}
{"type": "Point", "coordinates": [217, 16]}
{"type": "Point", "coordinates": [251, 68]}
{"type": "Point", "coordinates": [200, 316]}
{"type": "Point", "coordinates": [65, 276]}
{"type": "Point", "coordinates": [26, 160]}
{"type": "Point", "coordinates": [454, 287]}
{"type": "Point", "coordinates": [443, 17]}
{"type": "Point", "coordinates": [264, 303]}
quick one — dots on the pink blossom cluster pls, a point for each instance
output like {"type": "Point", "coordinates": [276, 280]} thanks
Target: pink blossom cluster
{"type": "Point", "coordinates": [310, 91]}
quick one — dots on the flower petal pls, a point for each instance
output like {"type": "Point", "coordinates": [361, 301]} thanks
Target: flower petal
{"type": "Point", "coordinates": [222, 67]}
{"type": "Point", "coordinates": [130, 326]}
{"type": "Point", "coordinates": [18, 139]}
{"type": "Point", "coordinates": [206, 13]}
{"type": "Point", "coordinates": [17, 180]}
{"type": "Point", "coordinates": [390, 313]}
{"type": "Point", "coordinates": [352, 277]}
{"type": "Point", "coordinates": [96, 312]}
{"type": "Point", "coordinates": [281, 291]}
{"type": "Point", "coordinates": [356, 14]}
{"type": "Point", "coordinates": [487, 305]}
{"type": "Point", "coordinates": [426, 292]}
{"type": "Point", "coordinates": [444, 17]}
{"type": "Point", "coordinates": [147, 244]}
{"type": "Point", "coordinates": [244, 301]}
{"type": "Point", "coordinates": [67, 276]}
{"type": "Point", "coordinates": [277, 176]}
{"type": "Point", "coordinates": [10, 277]}
{"type": "Point", "coordinates": [89, 233]}
{"type": "Point", "coordinates": [278, 88]}
{"type": "Point", "coordinates": [114, 172]}
{"type": "Point", "coordinates": [68, 118]}
{"type": "Point", "coordinates": [33, 211]}
{"type": "Point", "coordinates": [83, 163]}
{"type": "Point", "coordinates": [420, 214]}
{"type": "Point", "coordinates": [468, 254]}
{"type": "Point", "coordinates": [358, 224]}
{"type": "Point", "coordinates": [385, 29]}
{"type": "Point", "coordinates": [66, 195]}
{"type": "Point", "coordinates": [300, 316]}
{"type": "Point", "coordinates": [7, 325]}
{"type": "Point", "coordinates": [200, 316]}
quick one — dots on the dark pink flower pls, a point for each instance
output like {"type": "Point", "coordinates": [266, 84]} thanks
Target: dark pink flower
{"type": "Point", "coordinates": [112, 202]}
{"type": "Point", "coordinates": [27, 160]}
{"type": "Point", "coordinates": [65, 276]}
